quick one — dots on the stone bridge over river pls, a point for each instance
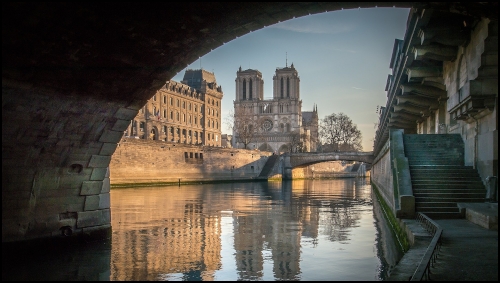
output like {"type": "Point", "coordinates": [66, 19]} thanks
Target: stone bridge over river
{"type": "Point", "coordinates": [302, 159]}
{"type": "Point", "coordinates": [75, 74]}
{"type": "Point", "coordinates": [294, 160]}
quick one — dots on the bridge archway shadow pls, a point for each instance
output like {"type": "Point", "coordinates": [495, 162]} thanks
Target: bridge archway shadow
{"type": "Point", "coordinates": [74, 76]}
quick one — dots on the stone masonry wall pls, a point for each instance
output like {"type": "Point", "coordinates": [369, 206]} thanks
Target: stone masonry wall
{"type": "Point", "coordinates": [381, 175]}
{"type": "Point", "coordinates": [479, 66]}
{"type": "Point", "coordinates": [148, 161]}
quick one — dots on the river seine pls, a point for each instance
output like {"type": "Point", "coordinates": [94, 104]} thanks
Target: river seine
{"type": "Point", "coordinates": [284, 230]}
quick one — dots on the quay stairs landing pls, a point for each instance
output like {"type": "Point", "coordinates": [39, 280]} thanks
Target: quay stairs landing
{"type": "Point", "coordinates": [439, 178]}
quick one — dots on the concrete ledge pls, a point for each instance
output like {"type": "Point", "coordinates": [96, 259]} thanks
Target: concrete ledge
{"type": "Point", "coordinates": [419, 240]}
{"type": "Point", "coordinates": [482, 214]}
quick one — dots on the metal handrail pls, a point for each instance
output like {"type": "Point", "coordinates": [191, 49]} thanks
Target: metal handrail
{"type": "Point", "coordinates": [430, 256]}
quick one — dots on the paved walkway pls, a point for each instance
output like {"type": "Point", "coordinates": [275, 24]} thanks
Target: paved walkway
{"type": "Point", "coordinates": [469, 252]}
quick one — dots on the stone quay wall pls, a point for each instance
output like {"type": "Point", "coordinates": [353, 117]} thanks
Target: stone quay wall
{"type": "Point", "coordinates": [138, 161]}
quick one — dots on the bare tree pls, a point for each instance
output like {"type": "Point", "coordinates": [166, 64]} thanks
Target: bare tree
{"type": "Point", "coordinates": [243, 126]}
{"type": "Point", "coordinates": [297, 142]}
{"type": "Point", "coordinates": [340, 133]}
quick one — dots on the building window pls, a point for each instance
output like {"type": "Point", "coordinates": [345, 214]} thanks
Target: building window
{"type": "Point", "coordinates": [287, 87]}
{"type": "Point", "coordinates": [164, 129]}
{"type": "Point", "coordinates": [141, 126]}
{"type": "Point", "coordinates": [195, 120]}
{"type": "Point", "coordinates": [164, 99]}
{"type": "Point", "coordinates": [178, 103]}
{"type": "Point", "coordinates": [250, 89]}
{"type": "Point", "coordinates": [184, 104]}
{"type": "Point", "coordinates": [244, 89]}
{"type": "Point", "coordinates": [172, 115]}
{"type": "Point", "coordinates": [281, 88]}
{"type": "Point", "coordinates": [164, 113]}
{"type": "Point", "coordinates": [195, 108]}
{"type": "Point", "coordinates": [177, 116]}
{"type": "Point", "coordinates": [171, 101]}
{"type": "Point", "coordinates": [154, 97]}
{"type": "Point", "coordinates": [189, 106]}
{"type": "Point", "coordinates": [183, 117]}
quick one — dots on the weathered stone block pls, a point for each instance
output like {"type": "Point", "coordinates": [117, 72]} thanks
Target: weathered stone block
{"type": "Point", "coordinates": [104, 201]}
{"type": "Point", "coordinates": [91, 203]}
{"type": "Point", "coordinates": [111, 136]}
{"type": "Point", "coordinates": [93, 218]}
{"type": "Point", "coordinates": [120, 125]}
{"type": "Point", "coordinates": [126, 113]}
{"type": "Point", "coordinates": [99, 161]}
{"type": "Point", "coordinates": [105, 185]}
{"type": "Point", "coordinates": [108, 148]}
{"type": "Point", "coordinates": [98, 174]}
{"type": "Point", "coordinates": [91, 188]}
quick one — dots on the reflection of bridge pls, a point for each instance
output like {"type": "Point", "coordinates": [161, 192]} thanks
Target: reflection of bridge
{"type": "Point", "coordinates": [293, 160]}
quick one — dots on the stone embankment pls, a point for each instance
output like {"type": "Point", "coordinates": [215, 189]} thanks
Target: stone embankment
{"type": "Point", "coordinates": [138, 162]}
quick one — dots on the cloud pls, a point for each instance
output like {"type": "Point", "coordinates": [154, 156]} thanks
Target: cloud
{"type": "Point", "coordinates": [312, 27]}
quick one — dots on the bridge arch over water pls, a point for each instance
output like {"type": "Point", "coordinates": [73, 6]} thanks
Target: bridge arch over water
{"type": "Point", "coordinates": [308, 158]}
{"type": "Point", "coordinates": [75, 75]}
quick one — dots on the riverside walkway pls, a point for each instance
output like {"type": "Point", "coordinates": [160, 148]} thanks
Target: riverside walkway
{"type": "Point", "coordinates": [469, 252]}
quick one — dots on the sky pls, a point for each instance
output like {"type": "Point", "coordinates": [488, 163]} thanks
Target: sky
{"type": "Point", "coordinates": [342, 59]}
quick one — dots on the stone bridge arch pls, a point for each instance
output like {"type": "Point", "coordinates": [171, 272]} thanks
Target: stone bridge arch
{"type": "Point", "coordinates": [304, 159]}
{"type": "Point", "coordinates": [75, 74]}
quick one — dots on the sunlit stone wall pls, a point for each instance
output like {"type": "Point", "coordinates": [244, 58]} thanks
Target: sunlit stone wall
{"type": "Point", "coordinates": [148, 161]}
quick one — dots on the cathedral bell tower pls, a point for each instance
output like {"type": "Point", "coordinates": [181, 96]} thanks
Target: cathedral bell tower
{"type": "Point", "coordinates": [249, 85]}
{"type": "Point", "coordinates": [286, 83]}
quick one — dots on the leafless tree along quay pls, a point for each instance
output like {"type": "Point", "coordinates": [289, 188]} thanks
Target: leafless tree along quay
{"type": "Point", "coordinates": [338, 132]}
{"type": "Point", "coordinates": [243, 126]}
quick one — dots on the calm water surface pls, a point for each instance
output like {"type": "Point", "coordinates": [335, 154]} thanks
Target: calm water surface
{"type": "Point", "coordinates": [294, 230]}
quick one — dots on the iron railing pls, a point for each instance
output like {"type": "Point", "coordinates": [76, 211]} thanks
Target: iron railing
{"type": "Point", "coordinates": [430, 256]}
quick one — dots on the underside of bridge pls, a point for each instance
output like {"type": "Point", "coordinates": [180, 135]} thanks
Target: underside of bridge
{"type": "Point", "coordinates": [74, 75]}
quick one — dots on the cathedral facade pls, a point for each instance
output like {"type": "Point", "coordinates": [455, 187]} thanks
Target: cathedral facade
{"type": "Point", "coordinates": [187, 112]}
{"type": "Point", "coordinates": [279, 123]}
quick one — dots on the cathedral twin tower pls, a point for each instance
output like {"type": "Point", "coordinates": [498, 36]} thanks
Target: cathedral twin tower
{"type": "Point", "coordinates": [284, 127]}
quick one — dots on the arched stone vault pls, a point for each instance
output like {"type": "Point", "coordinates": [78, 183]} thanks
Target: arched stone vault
{"type": "Point", "coordinates": [75, 74]}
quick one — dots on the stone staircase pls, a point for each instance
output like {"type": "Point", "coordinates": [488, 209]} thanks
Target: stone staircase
{"type": "Point", "coordinates": [268, 167]}
{"type": "Point", "coordinates": [439, 178]}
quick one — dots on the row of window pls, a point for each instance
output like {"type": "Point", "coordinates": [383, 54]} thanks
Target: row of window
{"type": "Point", "coordinates": [211, 111]}
{"type": "Point", "coordinates": [189, 105]}
{"type": "Point", "coordinates": [193, 155]}
{"type": "Point", "coordinates": [185, 91]}
{"type": "Point", "coordinates": [268, 108]}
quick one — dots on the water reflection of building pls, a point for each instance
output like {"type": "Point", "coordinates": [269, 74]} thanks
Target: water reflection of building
{"type": "Point", "coordinates": [186, 241]}
{"type": "Point", "coordinates": [179, 234]}
{"type": "Point", "coordinates": [248, 244]}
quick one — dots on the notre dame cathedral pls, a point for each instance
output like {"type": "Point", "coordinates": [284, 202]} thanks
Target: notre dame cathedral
{"type": "Point", "coordinates": [282, 126]}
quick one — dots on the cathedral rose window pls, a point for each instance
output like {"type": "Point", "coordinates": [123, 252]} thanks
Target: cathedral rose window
{"type": "Point", "coordinates": [267, 125]}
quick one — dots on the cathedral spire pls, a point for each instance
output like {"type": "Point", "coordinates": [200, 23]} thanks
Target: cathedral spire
{"type": "Point", "coordinates": [286, 59]}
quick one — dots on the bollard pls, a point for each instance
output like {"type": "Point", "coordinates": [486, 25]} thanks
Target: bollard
{"type": "Point", "coordinates": [179, 182]}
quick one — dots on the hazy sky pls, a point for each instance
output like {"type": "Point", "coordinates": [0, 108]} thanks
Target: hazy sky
{"type": "Point", "coordinates": [342, 59]}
